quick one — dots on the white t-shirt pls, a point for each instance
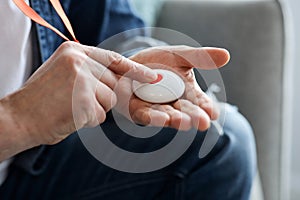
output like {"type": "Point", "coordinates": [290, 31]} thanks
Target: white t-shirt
{"type": "Point", "coordinates": [15, 55]}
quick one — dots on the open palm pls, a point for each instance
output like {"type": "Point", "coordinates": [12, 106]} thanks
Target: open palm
{"type": "Point", "coordinates": [194, 108]}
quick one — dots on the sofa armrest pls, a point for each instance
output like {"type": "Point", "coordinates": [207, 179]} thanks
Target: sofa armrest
{"type": "Point", "coordinates": [253, 32]}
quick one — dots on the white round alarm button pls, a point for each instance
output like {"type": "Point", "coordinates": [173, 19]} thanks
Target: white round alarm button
{"type": "Point", "coordinates": [167, 88]}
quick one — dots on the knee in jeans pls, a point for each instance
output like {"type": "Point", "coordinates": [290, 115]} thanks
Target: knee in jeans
{"type": "Point", "coordinates": [241, 142]}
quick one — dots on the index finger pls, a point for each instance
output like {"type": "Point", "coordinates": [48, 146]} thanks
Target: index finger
{"type": "Point", "coordinates": [121, 65]}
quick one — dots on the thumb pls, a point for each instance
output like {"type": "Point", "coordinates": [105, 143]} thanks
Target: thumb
{"type": "Point", "coordinates": [207, 57]}
{"type": "Point", "coordinates": [202, 58]}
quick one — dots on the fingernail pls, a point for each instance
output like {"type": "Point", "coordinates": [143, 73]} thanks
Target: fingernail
{"type": "Point", "coordinates": [150, 75]}
{"type": "Point", "coordinates": [159, 78]}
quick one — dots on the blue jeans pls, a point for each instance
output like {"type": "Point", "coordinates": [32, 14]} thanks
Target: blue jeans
{"type": "Point", "coordinates": [72, 173]}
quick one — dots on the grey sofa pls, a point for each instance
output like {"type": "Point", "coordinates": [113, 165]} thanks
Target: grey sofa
{"type": "Point", "coordinates": [256, 79]}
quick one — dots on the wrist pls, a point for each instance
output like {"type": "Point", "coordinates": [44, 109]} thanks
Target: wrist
{"type": "Point", "coordinates": [14, 138]}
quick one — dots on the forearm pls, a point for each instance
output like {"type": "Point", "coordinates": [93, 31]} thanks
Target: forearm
{"type": "Point", "coordinates": [13, 139]}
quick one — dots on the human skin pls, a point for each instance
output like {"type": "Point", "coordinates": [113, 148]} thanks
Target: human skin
{"type": "Point", "coordinates": [78, 84]}
{"type": "Point", "coordinates": [195, 108]}
{"type": "Point", "coordinates": [43, 111]}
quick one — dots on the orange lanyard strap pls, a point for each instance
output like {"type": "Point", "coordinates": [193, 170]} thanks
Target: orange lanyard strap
{"type": "Point", "coordinates": [28, 11]}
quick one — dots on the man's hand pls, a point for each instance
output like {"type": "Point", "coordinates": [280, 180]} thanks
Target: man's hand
{"type": "Point", "coordinates": [194, 109]}
{"type": "Point", "coordinates": [75, 83]}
